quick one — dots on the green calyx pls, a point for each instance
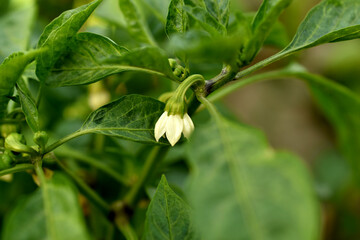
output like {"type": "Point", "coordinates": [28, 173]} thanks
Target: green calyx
{"type": "Point", "coordinates": [41, 138]}
{"type": "Point", "coordinates": [176, 105]}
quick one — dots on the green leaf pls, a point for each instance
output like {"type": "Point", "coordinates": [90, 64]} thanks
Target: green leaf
{"type": "Point", "coordinates": [168, 216]}
{"type": "Point", "coordinates": [10, 71]}
{"type": "Point", "coordinates": [52, 212]}
{"type": "Point", "coordinates": [29, 108]}
{"type": "Point", "coordinates": [131, 117]}
{"type": "Point", "coordinates": [83, 62]}
{"type": "Point", "coordinates": [219, 9]}
{"type": "Point", "coordinates": [205, 20]}
{"type": "Point", "coordinates": [177, 19]}
{"type": "Point", "coordinates": [93, 57]}
{"type": "Point", "coordinates": [240, 188]}
{"type": "Point", "coordinates": [263, 22]}
{"type": "Point", "coordinates": [135, 22]}
{"type": "Point", "coordinates": [329, 21]}
{"type": "Point", "coordinates": [15, 28]}
{"type": "Point", "coordinates": [57, 35]}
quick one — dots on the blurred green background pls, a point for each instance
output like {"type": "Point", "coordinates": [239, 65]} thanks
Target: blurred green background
{"type": "Point", "coordinates": [283, 109]}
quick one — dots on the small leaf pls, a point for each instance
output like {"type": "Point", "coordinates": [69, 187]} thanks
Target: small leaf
{"type": "Point", "coordinates": [135, 22]}
{"type": "Point", "coordinates": [168, 216]}
{"type": "Point", "coordinates": [131, 117]}
{"type": "Point", "coordinates": [265, 19]}
{"type": "Point", "coordinates": [58, 35]}
{"type": "Point", "coordinates": [10, 71]}
{"type": "Point", "coordinates": [240, 188]}
{"type": "Point", "coordinates": [29, 108]}
{"type": "Point", "coordinates": [329, 21]}
{"type": "Point", "coordinates": [52, 212]}
{"type": "Point", "coordinates": [219, 9]}
{"type": "Point", "coordinates": [177, 19]}
{"type": "Point", "coordinates": [15, 27]}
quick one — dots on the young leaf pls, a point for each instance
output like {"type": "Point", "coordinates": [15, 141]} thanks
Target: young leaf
{"type": "Point", "coordinates": [15, 28]}
{"type": "Point", "coordinates": [10, 71]}
{"type": "Point", "coordinates": [219, 9]}
{"type": "Point", "coordinates": [242, 189]}
{"type": "Point", "coordinates": [135, 22]}
{"type": "Point", "coordinates": [93, 57]}
{"type": "Point", "coordinates": [131, 117]}
{"type": "Point", "coordinates": [52, 212]}
{"type": "Point", "coordinates": [58, 35]}
{"type": "Point", "coordinates": [168, 216]}
{"type": "Point", "coordinates": [263, 22]}
{"type": "Point", "coordinates": [177, 19]}
{"type": "Point", "coordinates": [29, 108]}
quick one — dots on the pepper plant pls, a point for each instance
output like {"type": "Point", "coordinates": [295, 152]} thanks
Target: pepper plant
{"type": "Point", "coordinates": [108, 177]}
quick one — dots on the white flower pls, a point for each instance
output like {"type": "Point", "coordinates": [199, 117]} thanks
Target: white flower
{"type": "Point", "coordinates": [172, 126]}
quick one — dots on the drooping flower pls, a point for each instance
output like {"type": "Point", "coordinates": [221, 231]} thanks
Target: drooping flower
{"type": "Point", "coordinates": [172, 126]}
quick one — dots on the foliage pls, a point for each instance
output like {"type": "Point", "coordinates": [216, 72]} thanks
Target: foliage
{"type": "Point", "coordinates": [122, 64]}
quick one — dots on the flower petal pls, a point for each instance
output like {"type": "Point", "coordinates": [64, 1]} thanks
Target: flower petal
{"type": "Point", "coordinates": [188, 125]}
{"type": "Point", "coordinates": [160, 126]}
{"type": "Point", "coordinates": [174, 128]}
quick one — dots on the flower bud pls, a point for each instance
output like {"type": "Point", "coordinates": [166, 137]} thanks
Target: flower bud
{"type": "Point", "coordinates": [41, 138]}
{"type": "Point", "coordinates": [16, 142]}
{"type": "Point", "coordinates": [6, 160]}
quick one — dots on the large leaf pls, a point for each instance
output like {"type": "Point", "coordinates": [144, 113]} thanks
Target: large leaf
{"type": "Point", "coordinates": [83, 62]}
{"type": "Point", "coordinates": [58, 35]}
{"type": "Point", "coordinates": [177, 19]}
{"type": "Point", "coordinates": [93, 57]}
{"type": "Point", "coordinates": [10, 71]}
{"type": "Point", "coordinates": [265, 19]}
{"type": "Point", "coordinates": [135, 22]}
{"type": "Point", "coordinates": [15, 27]}
{"type": "Point", "coordinates": [168, 216]}
{"type": "Point", "coordinates": [52, 212]}
{"type": "Point", "coordinates": [240, 188]}
{"type": "Point", "coordinates": [29, 108]}
{"type": "Point", "coordinates": [131, 117]}
{"type": "Point", "coordinates": [219, 9]}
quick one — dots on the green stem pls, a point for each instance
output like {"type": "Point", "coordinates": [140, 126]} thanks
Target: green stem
{"type": "Point", "coordinates": [148, 167]}
{"type": "Point", "coordinates": [64, 140]}
{"type": "Point", "coordinates": [125, 228]}
{"type": "Point", "coordinates": [67, 152]}
{"type": "Point", "coordinates": [88, 192]}
{"type": "Point", "coordinates": [17, 168]}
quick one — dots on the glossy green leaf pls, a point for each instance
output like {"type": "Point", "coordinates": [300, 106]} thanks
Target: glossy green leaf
{"type": "Point", "coordinates": [177, 19]}
{"type": "Point", "coordinates": [10, 71]}
{"type": "Point", "coordinates": [15, 28]}
{"type": "Point", "coordinates": [57, 35]}
{"type": "Point", "coordinates": [240, 188]}
{"type": "Point", "coordinates": [83, 62]}
{"type": "Point", "coordinates": [262, 24]}
{"type": "Point", "coordinates": [219, 9]}
{"type": "Point", "coordinates": [52, 212]}
{"type": "Point", "coordinates": [135, 22]}
{"type": "Point", "coordinates": [205, 21]}
{"type": "Point", "coordinates": [168, 216]}
{"type": "Point", "coordinates": [131, 117]}
{"type": "Point", "coordinates": [29, 108]}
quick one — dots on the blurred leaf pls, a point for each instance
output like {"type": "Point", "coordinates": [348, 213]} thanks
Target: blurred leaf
{"type": "Point", "coordinates": [135, 22]}
{"type": "Point", "coordinates": [329, 21]}
{"type": "Point", "coordinates": [219, 9]}
{"type": "Point", "coordinates": [168, 216]}
{"type": "Point", "coordinates": [131, 117]}
{"type": "Point", "coordinates": [55, 206]}
{"type": "Point", "coordinates": [10, 71]}
{"type": "Point", "coordinates": [278, 36]}
{"type": "Point", "coordinates": [57, 35]}
{"type": "Point", "coordinates": [29, 108]}
{"type": "Point", "coordinates": [83, 62]}
{"type": "Point", "coordinates": [262, 24]}
{"type": "Point", "coordinates": [177, 19]}
{"type": "Point", "coordinates": [205, 20]}
{"type": "Point", "coordinates": [241, 189]}
{"type": "Point", "coordinates": [159, 8]}
{"type": "Point", "coordinates": [109, 10]}
{"type": "Point", "coordinates": [15, 28]}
